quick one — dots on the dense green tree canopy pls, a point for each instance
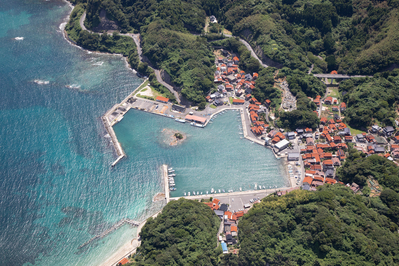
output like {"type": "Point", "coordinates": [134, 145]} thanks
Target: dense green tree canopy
{"type": "Point", "coordinates": [183, 234]}
{"type": "Point", "coordinates": [329, 227]}
{"type": "Point", "coordinates": [371, 100]}
{"type": "Point", "coordinates": [358, 169]}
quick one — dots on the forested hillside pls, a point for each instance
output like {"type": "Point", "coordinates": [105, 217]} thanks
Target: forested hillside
{"type": "Point", "coordinates": [353, 36]}
{"type": "Point", "coordinates": [183, 234]}
{"type": "Point", "coordinates": [371, 100]}
{"type": "Point", "coordinates": [331, 226]}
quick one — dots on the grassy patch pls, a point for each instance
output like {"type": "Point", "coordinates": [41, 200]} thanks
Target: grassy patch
{"type": "Point", "coordinates": [212, 106]}
{"type": "Point", "coordinates": [141, 86]}
{"type": "Point", "coordinates": [231, 100]}
{"type": "Point", "coordinates": [355, 131]}
{"type": "Point", "coordinates": [333, 92]}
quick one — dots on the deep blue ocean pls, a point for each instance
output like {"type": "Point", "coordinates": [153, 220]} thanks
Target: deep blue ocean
{"type": "Point", "coordinates": [57, 189]}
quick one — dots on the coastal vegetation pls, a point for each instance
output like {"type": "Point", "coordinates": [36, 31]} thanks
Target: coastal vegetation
{"type": "Point", "coordinates": [371, 100]}
{"type": "Point", "coordinates": [108, 43]}
{"type": "Point", "coordinates": [183, 234]}
{"type": "Point", "coordinates": [330, 226]}
{"type": "Point", "coordinates": [350, 36]}
{"type": "Point", "coordinates": [358, 168]}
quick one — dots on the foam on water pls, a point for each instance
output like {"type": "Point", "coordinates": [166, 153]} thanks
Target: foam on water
{"type": "Point", "coordinates": [57, 188]}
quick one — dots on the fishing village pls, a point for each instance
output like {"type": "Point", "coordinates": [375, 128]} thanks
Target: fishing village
{"type": "Point", "coordinates": [310, 157]}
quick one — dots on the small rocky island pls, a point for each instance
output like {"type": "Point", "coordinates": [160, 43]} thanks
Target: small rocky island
{"type": "Point", "coordinates": [173, 137]}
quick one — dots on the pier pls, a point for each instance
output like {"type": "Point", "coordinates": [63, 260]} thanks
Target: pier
{"type": "Point", "coordinates": [113, 116]}
{"type": "Point", "coordinates": [165, 181]}
{"type": "Point", "coordinates": [110, 230]}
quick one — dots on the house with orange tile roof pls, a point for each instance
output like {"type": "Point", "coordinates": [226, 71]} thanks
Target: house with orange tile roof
{"type": "Point", "coordinates": [343, 106]}
{"type": "Point", "coordinates": [348, 138]}
{"type": "Point", "coordinates": [342, 146]}
{"type": "Point", "coordinates": [341, 154]}
{"type": "Point", "coordinates": [123, 261]}
{"type": "Point", "coordinates": [328, 100]}
{"type": "Point", "coordinates": [394, 147]}
{"type": "Point", "coordinates": [238, 101]}
{"type": "Point", "coordinates": [330, 181]}
{"type": "Point", "coordinates": [162, 99]}
{"type": "Point", "coordinates": [255, 75]}
{"type": "Point", "coordinates": [335, 108]}
{"type": "Point", "coordinates": [253, 100]}
{"type": "Point", "coordinates": [337, 139]}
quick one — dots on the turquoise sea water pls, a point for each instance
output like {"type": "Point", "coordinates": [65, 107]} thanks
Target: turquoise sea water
{"type": "Point", "coordinates": [57, 189]}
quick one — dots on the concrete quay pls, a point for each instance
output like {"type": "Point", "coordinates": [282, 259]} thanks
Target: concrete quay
{"type": "Point", "coordinates": [166, 182]}
{"type": "Point", "coordinates": [109, 119]}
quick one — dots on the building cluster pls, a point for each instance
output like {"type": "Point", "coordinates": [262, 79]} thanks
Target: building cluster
{"type": "Point", "coordinates": [230, 79]}
{"type": "Point", "coordinates": [229, 220]}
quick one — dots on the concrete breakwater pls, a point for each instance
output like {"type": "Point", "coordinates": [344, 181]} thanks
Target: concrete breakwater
{"type": "Point", "coordinates": [113, 116]}
{"type": "Point", "coordinates": [110, 230]}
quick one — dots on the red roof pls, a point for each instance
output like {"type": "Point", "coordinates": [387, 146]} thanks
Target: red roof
{"type": "Point", "coordinates": [216, 201]}
{"type": "Point", "coordinates": [343, 105]}
{"type": "Point", "coordinates": [238, 101]}
{"type": "Point", "coordinates": [233, 228]}
{"type": "Point", "coordinates": [162, 99]}
{"type": "Point", "coordinates": [308, 180]}
{"type": "Point", "coordinates": [123, 261]}
{"type": "Point", "coordinates": [235, 58]}
{"type": "Point", "coordinates": [334, 72]}
{"type": "Point", "coordinates": [327, 162]}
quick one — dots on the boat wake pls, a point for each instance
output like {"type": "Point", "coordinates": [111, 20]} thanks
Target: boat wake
{"type": "Point", "coordinates": [73, 86]}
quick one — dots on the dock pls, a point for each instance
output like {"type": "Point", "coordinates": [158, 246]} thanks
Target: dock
{"type": "Point", "coordinates": [166, 182]}
{"type": "Point", "coordinates": [110, 230]}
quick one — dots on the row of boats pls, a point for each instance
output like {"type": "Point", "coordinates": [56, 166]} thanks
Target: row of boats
{"type": "Point", "coordinates": [223, 191]}
{"type": "Point", "coordinates": [171, 179]}
{"type": "Point", "coordinates": [192, 123]}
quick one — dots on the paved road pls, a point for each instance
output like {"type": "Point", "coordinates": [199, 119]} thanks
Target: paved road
{"type": "Point", "coordinates": [253, 54]}
{"type": "Point", "coordinates": [339, 76]}
{"type": "Point", "coordinates": [136, 39]}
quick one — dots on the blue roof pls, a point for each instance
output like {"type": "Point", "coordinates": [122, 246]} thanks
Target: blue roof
{"type": "Point", "coordinates": [224, 246]}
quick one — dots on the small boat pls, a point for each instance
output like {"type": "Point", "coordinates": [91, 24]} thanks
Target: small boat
{"type": "Point", "coordinates": [172, 189]}
{"type": "Point", "coordinates": [212, 190]}
{"type": "Point", "coordinates": [256, 186]}
{"type": "Point", "coordinates": [184, 193]}
{"type": "Point", "coordinates": [201, 193]}
{"type": "Point", "coordinates": [230, 190]}
{"type": "Point", "coordinates": [170, 169]}
{"type": "Point", "coordinates": [172, 175]}
{"type": "Point", "coordinates": [180, 120]}
{"type": "Point", "coordinates": [264, 187]}
{"type": "Point", "coordinates": [188, 193]}
{"type": "Point", "coordinates": [194, 193]}
{"type": "Point", "coordinates": [223, 190]}
{"type": "Point", "coordinates": [197, 125]}
{"type": "Point", "coordinates": [197, 193]}
{"type": "Point", "coordinates": [219, 190]}
{"type": "Point", "coordinates": [240, 189]}
{"type": "Point", "coordinates": [207, 192]}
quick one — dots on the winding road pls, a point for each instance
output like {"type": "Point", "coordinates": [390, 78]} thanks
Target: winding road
{"type": "Point", "coordinates": [136, 39]}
